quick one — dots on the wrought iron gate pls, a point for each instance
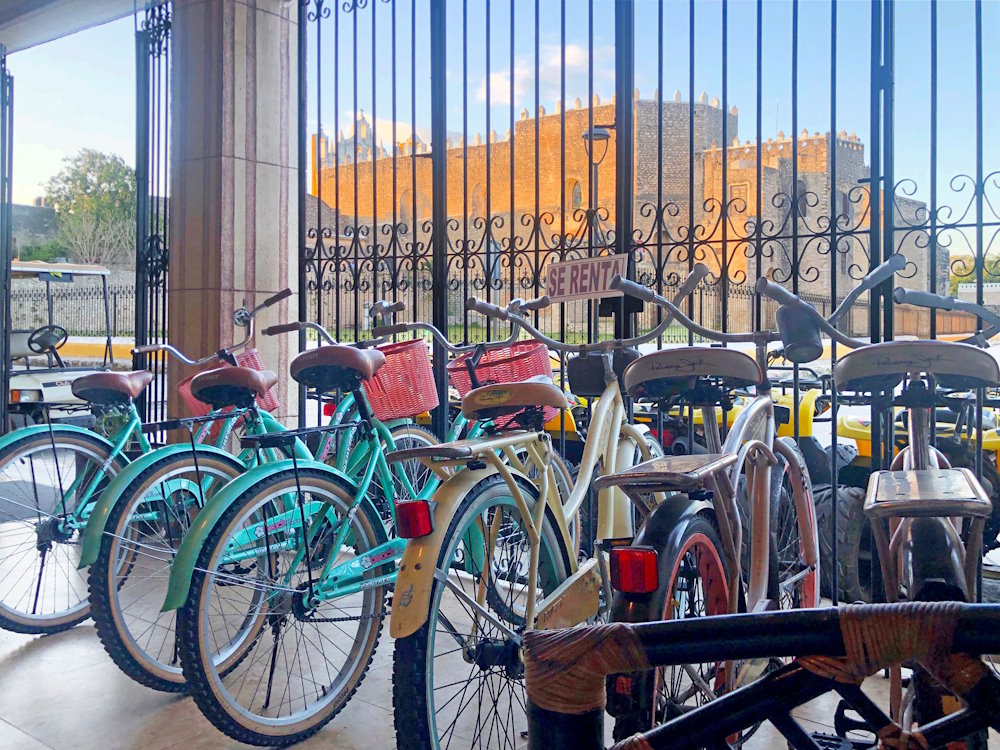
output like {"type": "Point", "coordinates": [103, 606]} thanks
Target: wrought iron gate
{"type": "Point", "coordinates": [6, 250]}
{"type": "Point", "coordinates": [409, 193]}
{"type": "Point", "coordinates": [152, 199]}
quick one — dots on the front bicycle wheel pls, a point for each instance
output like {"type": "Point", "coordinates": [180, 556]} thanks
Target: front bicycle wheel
{"type": "Point", "coordinates": [458, 681]}
{"type": "Point", "coordinates": [128, 581]}
{"type": "Point", "coordinates": [262, 663]}
{"type": "Point", "coordinates": [48, 481]}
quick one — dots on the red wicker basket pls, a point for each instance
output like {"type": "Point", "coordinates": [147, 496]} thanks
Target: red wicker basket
{"type": "Point", "coordinates": [508, 364]}
{"type": "Point", "coordinates": [247, 358]}
{"type": "Point", "coordinates": [404, 386]}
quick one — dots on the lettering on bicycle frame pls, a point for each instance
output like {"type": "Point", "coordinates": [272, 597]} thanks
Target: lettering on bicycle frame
{"type": "Point", "coordinates": [586, 278]}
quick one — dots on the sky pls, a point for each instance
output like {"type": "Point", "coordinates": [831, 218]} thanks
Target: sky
{"type": "Point", "coordinates": [73, 93]}
{"type": "Point", "coordinates": [79, 91]}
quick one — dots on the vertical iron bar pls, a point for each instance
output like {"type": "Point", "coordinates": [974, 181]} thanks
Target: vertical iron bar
{"type": "Point", "coordinates": [980, 196]}
{"type": "Point", "coordinates": [624, 143]}
{"type": "Point", "coordinates": [439, 169]}
{"type": "Point", "coordinates": [796, 198]}
{"type": "Point", "coordinates": [834, 145]}
{"type": "Point", "coordinates": [6, 140]}
{"type": "Point", "coordinates": [933, 240]}
{"type": "Point", "coordinates": [758, 228]}
{"type": "Point", "coordinates": [724, 199]}
{"type": "Point", "coordinates": [142, 105]}
{"type": "Point", "coordinates": [302, 99]}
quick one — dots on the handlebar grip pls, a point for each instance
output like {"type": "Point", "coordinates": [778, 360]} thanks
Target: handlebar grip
{"type": "Point", "coordinates": [283, 328]}
{"type": "Point", "coordinates": [396, 307]}
{"type": "Point", "coordinates": [698, 272]}
{"type": "Point", "coordinates": [885, 270]}
{"type": "Point", "coordinates": [485, 308]}
{"type": "Point", "coordinates": [632, 289]}
{"type": "Point", "coordinates": [922, 299]}
{"type": "Point", "coordinates": [537, 304]}
{"type": "Point", "coordinates": [148, 349]}
{"type": "Point", "coordinates": [382, 331]}
{"type": "Point", "coordinates": [283, 294]}
{"type": "Point", "coordinates": [779, 294]}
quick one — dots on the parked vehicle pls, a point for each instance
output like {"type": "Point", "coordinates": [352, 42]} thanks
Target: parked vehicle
{"type": "Point", "coordinates": [41, 382]}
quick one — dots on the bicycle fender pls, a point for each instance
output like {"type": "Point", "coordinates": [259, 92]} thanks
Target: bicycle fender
{"type": "Point", "coordinates": [20, 434]}
{"type": "Point", "coordinates": [415, 580]}
{"type": "Point", "coordinates": [187, 554]}
{"type": "Point", "coordinates": [662, 531]}
{"type": "Point", "coordinates": [120, 487]}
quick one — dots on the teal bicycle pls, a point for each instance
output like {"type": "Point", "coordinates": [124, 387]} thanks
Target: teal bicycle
{"type": "Point", "coordinates": [52, 476]}
{"type": "Point", "coordinates": [145, 511]}
{"type": "Point", "coordinates": [282, 585]}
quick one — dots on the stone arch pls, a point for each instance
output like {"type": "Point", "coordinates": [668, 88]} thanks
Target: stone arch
{"type": "Point", "coordinates": [574, 194]}
{"type": "Point", "coordinates": [477, 200]}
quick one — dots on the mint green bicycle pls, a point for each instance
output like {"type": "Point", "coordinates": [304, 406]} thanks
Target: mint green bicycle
{"type": "Point", "coordinates": [52, 476]}
{"type": "Point", "coordinates": [136, 528]}
{"type": "Point", "coordinates": [282, 585]}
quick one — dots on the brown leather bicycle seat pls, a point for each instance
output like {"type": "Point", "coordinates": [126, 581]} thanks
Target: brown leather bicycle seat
{"type": "Point", "coordinates": [881, 367]}
{"type": "Point", "coordinates": [232, 386]}
{"type": "Point", "coordinates": [333, 367]}
{"type": "Point", "coordinates": [501, 399]}
{"type": "Point", "coordinates": [671, 372]}
{"type": "Point", "coordinates": [111, 388]}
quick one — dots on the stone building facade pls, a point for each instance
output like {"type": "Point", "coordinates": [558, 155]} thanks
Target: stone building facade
{"type": "Point", "coordinates": [543, 169]}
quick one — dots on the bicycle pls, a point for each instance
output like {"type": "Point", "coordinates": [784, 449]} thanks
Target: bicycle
{"type": "Point", "coordinates": [734, 535]}
{"type": "Point", "coordinates": [136, 528]}
{"type": "Point", "coordinates": [52, 477]}
{"type": "Point", "coordinates": [281, 586]}
{"type": "Point", "coordinates": [494, 545]}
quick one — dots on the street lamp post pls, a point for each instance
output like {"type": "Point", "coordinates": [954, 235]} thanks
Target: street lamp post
{"type": "Point", "coordinates": [595, 142]}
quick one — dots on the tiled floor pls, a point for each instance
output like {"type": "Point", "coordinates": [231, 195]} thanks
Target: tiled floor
{"type": "Point", "coordinates": [62, 692]}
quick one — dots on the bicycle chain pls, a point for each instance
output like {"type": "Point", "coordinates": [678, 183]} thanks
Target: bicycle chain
{"type": "Point", "coordinates": [359, 618]}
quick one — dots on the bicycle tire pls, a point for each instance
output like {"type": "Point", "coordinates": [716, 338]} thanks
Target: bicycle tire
{"type": "Point", "coordinates": [97, 452]}
{"type": "Point", "coordinates": [118, 635]}
{"type": "Point", "coordinates": [206, 684]}
{"type": "Point", "coordinates": [412, 684]}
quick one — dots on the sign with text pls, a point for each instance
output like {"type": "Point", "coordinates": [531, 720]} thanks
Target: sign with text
{"type": "Point", "coordinates": [587, 278]}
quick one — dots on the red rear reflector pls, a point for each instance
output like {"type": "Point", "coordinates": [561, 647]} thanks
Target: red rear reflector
{"type": "Point", "coordinates": [634, 570]}
{"type": "Point", "coordinates": [329, 408]}
{"type": "Point", "coordinates": [414, 519]}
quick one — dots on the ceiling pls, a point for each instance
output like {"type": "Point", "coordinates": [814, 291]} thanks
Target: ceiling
{"type": "Point", "coordinates": [25, 23]}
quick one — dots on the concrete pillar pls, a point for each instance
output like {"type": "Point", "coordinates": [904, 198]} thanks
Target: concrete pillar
{"type": "Point", "coordinates": [233, 160]}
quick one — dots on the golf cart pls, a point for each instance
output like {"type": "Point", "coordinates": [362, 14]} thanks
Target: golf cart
{"type": "Point", "coordinates": [40, 380]}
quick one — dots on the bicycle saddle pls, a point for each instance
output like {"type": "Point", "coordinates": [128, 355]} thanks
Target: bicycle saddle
{"type": "Point", "coordinates": [502, 399]}
{"type": "Point", "coordinates": [334, 367]}
{"type": "Point", "coordinates": [882, 366]}
{"type": "Point", "coordinates": [232, 386]}
{"type": "Point", "coordinates": [673, 372]}
{"type": "Point", "coordinates": [111, 388]}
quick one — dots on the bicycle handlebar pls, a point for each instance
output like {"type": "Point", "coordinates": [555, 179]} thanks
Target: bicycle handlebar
{"type": "Point", "coordinates": [299, 326]}
{"type": "Point", "coordinates": [698, 272]}
{"type": "Point", "coordinates": [675, 313]}
{"type": "Point", "coordinates": [385, 331]}
{"type": "Point", "coordinates": [242, 317]}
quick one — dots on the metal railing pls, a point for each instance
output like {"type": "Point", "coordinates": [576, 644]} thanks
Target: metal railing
{"type": "Point", "coordinates": [78, 309]}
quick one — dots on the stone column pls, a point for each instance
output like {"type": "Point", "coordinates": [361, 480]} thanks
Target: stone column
{"type": "Point", "coordinates": [233, 217]}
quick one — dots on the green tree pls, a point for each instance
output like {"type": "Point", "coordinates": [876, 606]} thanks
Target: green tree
{"type": "Point", "coordinates": [966, 265]}
{"type": "Point", "coordinates": [94, 200]}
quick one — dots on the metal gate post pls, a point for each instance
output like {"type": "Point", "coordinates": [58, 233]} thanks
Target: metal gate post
{"type": "Point", "coordinates": [301, 102]}
{"type": "Point", "coordinates": [6, 255]}
{"type": "Point", "coordinates": [624, 140]}
{"type": "Point", "coordinates": [139, 361]}
{"type": "Point", "coordinates": [439, 211]}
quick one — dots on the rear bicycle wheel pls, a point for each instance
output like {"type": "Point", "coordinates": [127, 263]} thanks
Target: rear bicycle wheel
{"type": "Point", "coordinates": [128, 581]}
{"type": "Point", "coordinates": [458, 680]}
{"type": "Point", "coordinates": [297, 666]}
{"type": "Point", "coordinates": [41, 589]}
